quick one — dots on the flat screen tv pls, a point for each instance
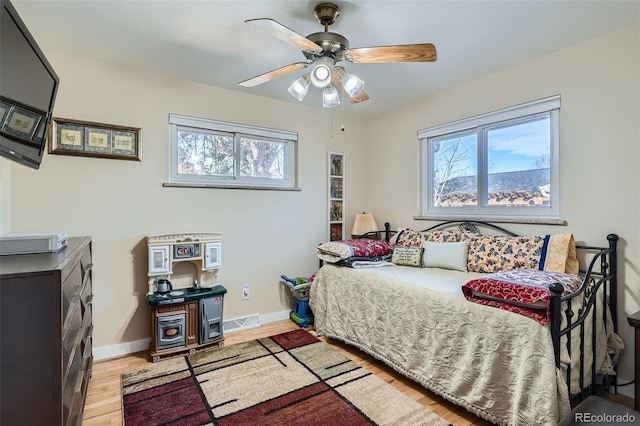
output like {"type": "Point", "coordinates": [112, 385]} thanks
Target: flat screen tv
{"type": "Point", "coordinates": [28, 87]}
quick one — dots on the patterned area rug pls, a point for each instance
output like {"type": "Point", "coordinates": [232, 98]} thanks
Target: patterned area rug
{"type": "Point", "coordinates": [286, 379]}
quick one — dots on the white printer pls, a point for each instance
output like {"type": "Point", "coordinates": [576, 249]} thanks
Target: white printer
{"type": "Point", "coordinates": [25, 243]}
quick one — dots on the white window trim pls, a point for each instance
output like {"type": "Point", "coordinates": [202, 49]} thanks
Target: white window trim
{"type": "Point", "coordinates": [549, 215]}
{"type": "Point", "coordinates": [239, 130]}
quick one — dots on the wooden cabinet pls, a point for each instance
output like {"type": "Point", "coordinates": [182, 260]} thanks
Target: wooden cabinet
{"type": "Point", "coordinates": [45, 335]}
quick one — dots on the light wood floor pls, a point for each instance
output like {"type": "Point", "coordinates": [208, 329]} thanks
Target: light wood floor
{"type": "Point", "coordinates": [103, 404]}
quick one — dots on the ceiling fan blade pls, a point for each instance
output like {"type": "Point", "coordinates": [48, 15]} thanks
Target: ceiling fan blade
{"type": "Point", "coordinates": [272, 75]}
{"type": "Point", "coordinates": [335, 79]}
{"type": "Point", "coordinates": [425, 52]}
{"type": "Point", "coordinates": [285, 34]}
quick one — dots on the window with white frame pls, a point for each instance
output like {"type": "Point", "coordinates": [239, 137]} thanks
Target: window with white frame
{"type": "Point", "coordinates": [500, 164]}
{"type": "Point", "coordinates": [228, 154]}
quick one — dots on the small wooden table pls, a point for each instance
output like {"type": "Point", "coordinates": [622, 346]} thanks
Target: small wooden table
{"type": "Point", "coordinates": [634, 321]}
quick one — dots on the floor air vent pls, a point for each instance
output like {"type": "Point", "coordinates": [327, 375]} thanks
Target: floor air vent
{"type": "Point", "coordinates": [242, 323]}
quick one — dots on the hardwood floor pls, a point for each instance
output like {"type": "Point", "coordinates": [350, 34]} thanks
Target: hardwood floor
{"type": "Point", "coordinates": [103, 404]}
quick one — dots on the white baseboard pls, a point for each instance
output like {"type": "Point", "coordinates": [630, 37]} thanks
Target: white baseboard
{"type": "Point", "coordinates": [106, 352]}
{"type": "Point", "coordinates": [121, 349]}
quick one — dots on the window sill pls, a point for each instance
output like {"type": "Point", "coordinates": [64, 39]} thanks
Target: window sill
{"type": "Point", "coordinates": [222, 186]}
{"type": "Point", "coordinates": [499, 219]}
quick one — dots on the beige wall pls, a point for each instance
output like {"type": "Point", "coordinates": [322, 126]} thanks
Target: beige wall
{"type": "Point", "coordinates": [599, 84]}
{"type": "Point", "coordinates": [268, 233]}
{"type": "Point", "coordinates": [118, 203]}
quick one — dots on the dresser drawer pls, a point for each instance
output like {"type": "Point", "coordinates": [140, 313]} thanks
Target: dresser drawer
{"type": "Point", "coordinates": [71, 336]}
{"type": "Point", "coordinates": [71, 289]}
{"type": "Point", "coordinates": [72, 385]}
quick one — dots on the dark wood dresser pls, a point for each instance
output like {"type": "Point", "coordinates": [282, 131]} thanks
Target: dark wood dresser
{"type": "Point", "coordinates": [45, 335]}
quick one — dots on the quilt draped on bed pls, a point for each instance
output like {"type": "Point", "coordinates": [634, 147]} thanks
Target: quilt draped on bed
{"type": "Point", "coordinates": [449, 345]}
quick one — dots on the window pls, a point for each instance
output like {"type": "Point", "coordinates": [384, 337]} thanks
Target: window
{"type": "Point", "coordinates": [228, 154]}
{"type": "Point", "coordinates": [500, 164]}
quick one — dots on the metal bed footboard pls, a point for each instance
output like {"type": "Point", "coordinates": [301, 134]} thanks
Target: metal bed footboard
{"type": "Point", "coordinates": [601, 275]}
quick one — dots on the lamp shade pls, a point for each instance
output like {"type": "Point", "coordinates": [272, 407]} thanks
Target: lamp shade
{"type": "Point", "coordinates": [364, 223]}
{"type": "Point", "coordinates": [330, 97]}
{"type": "Point", "coordinates": [300, 87]}
{"type": "Point", "coordinates": [352, 84]}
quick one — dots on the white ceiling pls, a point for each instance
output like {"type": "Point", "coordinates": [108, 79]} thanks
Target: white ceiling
{"type": "Point", "coordinates": [208, 41]}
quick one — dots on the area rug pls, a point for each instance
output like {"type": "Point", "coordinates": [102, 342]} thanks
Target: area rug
{"type": "Point", "coordinates": [287, 379]}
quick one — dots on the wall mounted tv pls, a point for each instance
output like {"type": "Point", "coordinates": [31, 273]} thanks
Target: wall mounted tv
{"type": "Point", "coordinates": [28, 87]}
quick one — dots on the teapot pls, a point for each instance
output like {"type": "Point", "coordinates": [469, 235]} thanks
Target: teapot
{"type": "Point", "coordinates": [163, 285]}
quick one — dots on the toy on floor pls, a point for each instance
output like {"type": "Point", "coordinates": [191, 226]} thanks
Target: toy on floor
{"type": "Point", "coordinates": [300, 287]}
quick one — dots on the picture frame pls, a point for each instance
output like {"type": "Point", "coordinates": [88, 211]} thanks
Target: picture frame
{"type": "Point", "coordinates": [336, 195]}
{"type": "Point", "coordinates": [335, 189]}
{"type": "Point", "coordinates": [90, 139]}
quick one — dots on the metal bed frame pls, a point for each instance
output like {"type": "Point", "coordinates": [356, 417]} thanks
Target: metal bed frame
{"type": "Point", "coordinates": [601, 273]}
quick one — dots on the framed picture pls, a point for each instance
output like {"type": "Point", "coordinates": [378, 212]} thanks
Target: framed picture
{"type": "Point", "coordinates": [97, 140]}
{"type": "Point", "coordinates": [213, 255]}
{"type": "Point", "coordinates": [336, 188]}
{"type": "Point", "coordinates": [336, 164]}
{"type": "Point", "coordinates": [335, 212]}
{"type": "Point", "coordinates": [88, 139]}
{"type": "Point", "coordinates": [335, 232]}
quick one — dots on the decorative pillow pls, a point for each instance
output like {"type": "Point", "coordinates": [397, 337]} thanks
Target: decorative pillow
{"type": "Point", "coordinates": [446, 255]}
{"type": "Point", "coordinates": [335, 251]}
{"type": "Point", "coordinates": [488, 253]}
{"type": "Point", "coordinates": [444, 236]}
{"type": "Point", "coordinates": [407, 256]}
{"type": "Point", "coordinates": [406, 237]}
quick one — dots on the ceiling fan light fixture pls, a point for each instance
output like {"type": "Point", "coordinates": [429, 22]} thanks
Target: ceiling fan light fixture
{"type": "Point", "coordinates": [352, 84]}
{"type": "Point", "coordinates": [330, 97]}
{"type": "Point", "coordinates": [321, 73]}
{"type": "Point", "coordinates": [300, 87]}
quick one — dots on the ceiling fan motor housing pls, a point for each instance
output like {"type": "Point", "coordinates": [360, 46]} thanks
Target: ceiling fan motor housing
{"type": "Point", "coordinates": [331, 43]}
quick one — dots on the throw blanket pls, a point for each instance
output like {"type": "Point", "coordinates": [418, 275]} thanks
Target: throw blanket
{"type": "Point", "coordinates": [496, 364]}
{"type": "Point", "coordinates": [523, 291]}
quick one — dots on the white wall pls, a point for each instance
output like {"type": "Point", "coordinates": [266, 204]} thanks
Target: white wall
{"type": "Point", "coordinates": [118, 203]}
{"type": "Point", "coordinates": [599, 84]}
{"type": "Point", "coordinates": [268, 233]}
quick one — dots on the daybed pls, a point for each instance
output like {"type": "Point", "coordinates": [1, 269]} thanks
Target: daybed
{"type": "Point", "coordinates": [505, 359]}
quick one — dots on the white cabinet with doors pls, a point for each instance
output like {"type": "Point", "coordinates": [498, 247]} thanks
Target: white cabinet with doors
{"type": "Point", "coordinates": [167, 252]}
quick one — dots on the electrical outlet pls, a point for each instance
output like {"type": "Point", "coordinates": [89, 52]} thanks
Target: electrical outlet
{"type": "Point", "coordinates": [245, 291]}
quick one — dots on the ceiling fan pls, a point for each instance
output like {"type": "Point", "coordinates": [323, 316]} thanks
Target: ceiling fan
{"type": "Point", "coordinates": [325, 50]}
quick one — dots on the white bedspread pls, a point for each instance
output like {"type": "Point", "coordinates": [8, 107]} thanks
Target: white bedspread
{"type": "Point", "coordinates": [497, 364]}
